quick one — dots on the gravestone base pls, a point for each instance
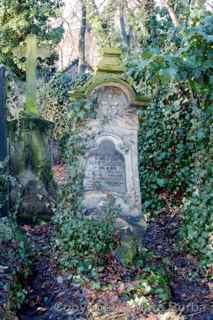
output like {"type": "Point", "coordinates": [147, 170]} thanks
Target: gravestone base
{"type": "Point", "coordinates": [132, 231]}
{"type": "Point", "coordinates": [30, 164]}
{"type": "Point", "coordinates": [95, 204]}
{"type": "Point", "coordinates": [128, 249]}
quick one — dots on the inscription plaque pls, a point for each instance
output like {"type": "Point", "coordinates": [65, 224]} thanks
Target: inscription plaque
{"type": "Point", "coordinates": [105, 169]}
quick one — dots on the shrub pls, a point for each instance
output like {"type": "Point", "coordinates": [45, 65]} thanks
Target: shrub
{"type": "Point", "coordinates": [84, 242]}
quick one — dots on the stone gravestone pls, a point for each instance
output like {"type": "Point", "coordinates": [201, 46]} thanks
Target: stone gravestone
{"type": "Point", "coordinates": [30, 146]}
{"type": "Point", "coordinates": [111, 164]}
{"type": "Point", "coordinates": [3, 140]}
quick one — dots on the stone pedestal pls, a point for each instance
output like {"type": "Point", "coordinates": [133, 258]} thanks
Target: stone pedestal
{"type": "Point", "coordinates": [30, 163]}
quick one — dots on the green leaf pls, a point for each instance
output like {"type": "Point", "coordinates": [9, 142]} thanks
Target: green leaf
{"type": "Point", "coordinates": [161, 182]}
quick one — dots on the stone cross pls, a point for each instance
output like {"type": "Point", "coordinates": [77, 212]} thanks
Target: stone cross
{"type": "Point", "coordinates": [3, 138]}
{"type": "Point", "coordinates": [31, 52]}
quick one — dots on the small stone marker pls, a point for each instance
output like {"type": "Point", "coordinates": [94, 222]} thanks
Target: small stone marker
{"type": "Point", "coordinates": [3, 137]}
{"type": "Point", "coordinates": [112, 159]}
{"type": "Point", "coordinates": [31, 52]}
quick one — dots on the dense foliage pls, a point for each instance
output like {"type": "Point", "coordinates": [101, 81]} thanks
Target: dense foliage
{"type": "Point", "coordinates": [55, 97]}
{"type": "Point", "coordinates": [84, 243]}
{"type": "Point", "coordinates": [168, 55]}
{"type": "Point", "coordinates": [175, 135]}
{"type": "Point", "coordinates": [174, 67]}
{"type": "Point", "coordinates": [20, 18]}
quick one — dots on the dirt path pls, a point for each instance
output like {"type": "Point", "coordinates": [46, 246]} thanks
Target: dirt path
{"type": "Point", "coordinates": [50, 296]}
{"type": "Point", "coordinates": [190, 288]}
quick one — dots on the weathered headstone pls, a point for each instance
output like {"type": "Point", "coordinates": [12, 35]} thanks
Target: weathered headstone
{"type": "Point", "coordinates": [111, 164]}
{"type": "Point", "coordinates": [30, 146]}
{"type": "Point", "coordinates": [3, 141]}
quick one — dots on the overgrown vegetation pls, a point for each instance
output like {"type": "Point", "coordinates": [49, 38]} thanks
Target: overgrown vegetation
{"type": "Point", "coordinates": [85, 242]}
{"type": "Point", "coordinates": [55, 98]}
{"type": "Point", "coordinates": [168, 55]}
{"type": "Point", "coordinates": [175, 133]}
{"type": "Point", "coordinates": [82, 242]}
{"type": "Point", "coordinates": [19, 19]}
{"type": "Point", "coordinates": [13, 246]}
{"type": "Point", "coordinates": [8, 223]}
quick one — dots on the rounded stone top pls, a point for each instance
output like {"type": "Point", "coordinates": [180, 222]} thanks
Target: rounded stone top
{"type": "Point", "coordinates": [110, 72]}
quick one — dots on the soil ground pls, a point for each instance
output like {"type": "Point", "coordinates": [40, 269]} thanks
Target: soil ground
{"type": "Point", "coordinates": [53, 295]}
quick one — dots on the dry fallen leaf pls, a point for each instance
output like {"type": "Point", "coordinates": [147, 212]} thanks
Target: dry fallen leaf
{"type": "Point", "coordinates": [41, 310]}
{"type": "Point", "coordinates": [152, 317]}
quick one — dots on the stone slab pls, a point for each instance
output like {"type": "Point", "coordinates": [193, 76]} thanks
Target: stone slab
{"type": "Point", "coordinates": [111, 164]}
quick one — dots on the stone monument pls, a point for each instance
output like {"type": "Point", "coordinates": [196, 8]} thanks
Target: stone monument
{"type": "Point", "coordinates": [111, 163]}
{"type": "Point", "coordinates": [30, 146]}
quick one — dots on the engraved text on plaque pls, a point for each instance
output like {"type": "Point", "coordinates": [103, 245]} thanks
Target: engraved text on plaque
{"type": "Point", "coordinates": [105, 169]}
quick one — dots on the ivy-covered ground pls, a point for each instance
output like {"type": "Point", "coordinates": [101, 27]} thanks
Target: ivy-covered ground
{"type": "Point", "coordinates": [11, 265]}
{"type": "Point", "coordinates": [162, 280]}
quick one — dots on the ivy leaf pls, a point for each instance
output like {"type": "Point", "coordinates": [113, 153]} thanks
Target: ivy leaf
{"type": "Point", "coordinates": [161, 182]}
{"type": "Point", "coordinates": [167, 74]}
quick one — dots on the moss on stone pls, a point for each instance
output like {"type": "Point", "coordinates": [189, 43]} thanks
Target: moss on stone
{"type": "Point", "coordinates": [29, 144]}
{"type": "Point", "coordinates": [30, 159]}
{"type": "Point", "coordinates": [111, 62]}
{"type": "Point", "coordinates": [127, 251]}
{"type": "Point", "coordinates": [110, 71]}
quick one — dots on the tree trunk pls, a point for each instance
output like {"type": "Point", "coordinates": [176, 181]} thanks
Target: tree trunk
{"type": "Point", "coordinates": [126, 35]}
{"type": "Point", "coordinates": [123, 26]}
{"type": "Point", "coordinates": [3, 136]}
{"type": "Point", "coordinates": [3, 141]}
{"type": "Point", "coordinates": [82, 38]}
{"type": "Point", "coordinates": [171, 14]}
{"type": "Point", "coordinates": [94, 17]}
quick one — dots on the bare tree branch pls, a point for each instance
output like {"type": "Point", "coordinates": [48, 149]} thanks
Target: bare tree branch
{"type": "Point", "coordinates": [171, 14]}
{"type": "Point", "coordinates": [82, 37]}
